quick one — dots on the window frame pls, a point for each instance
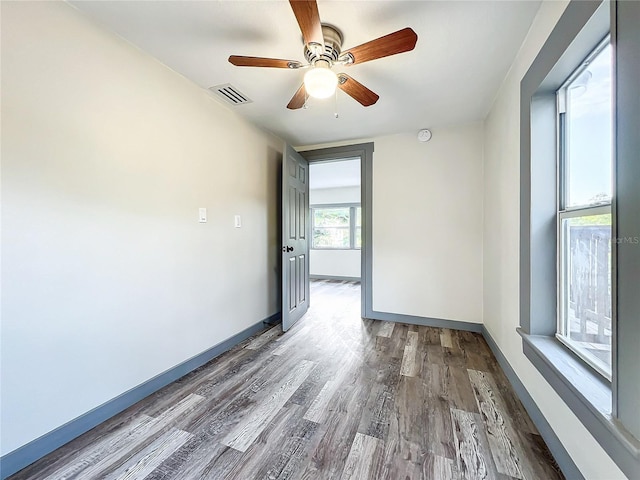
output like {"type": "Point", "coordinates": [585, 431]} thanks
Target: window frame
{"type": "Point", "coordinates": [352, 224]}
{"type": "Point", "coordinates": [607, 410]}
{"type": "Point", "coordinates": [566, 213]}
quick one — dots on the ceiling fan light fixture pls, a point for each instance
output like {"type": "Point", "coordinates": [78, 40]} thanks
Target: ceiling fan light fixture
{"type": "Point", "coordinates": [320, 81]}
{"type": "Point", "coordinates": [323, 50]}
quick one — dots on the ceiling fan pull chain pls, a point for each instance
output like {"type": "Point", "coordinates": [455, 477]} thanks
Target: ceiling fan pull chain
{"type": "Point", "coordinates": [306, 97]}
{"type": "Point", "coordinates": [335, 114]}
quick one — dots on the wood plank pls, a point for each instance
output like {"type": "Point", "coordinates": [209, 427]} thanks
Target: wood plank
{"type": "Point", "coordinates": [514, 408]}
{"type": "Point", "coordinates": [406, 441]}
{"type": "Point", "coordinates": [288, 458]}
{"type": "Point", "coordinates": [410, 367]}
{"type": "Point", "coordinates": [143, 463]}
{"type": "Point", "coordinates": [454, 356]}
{"type": "Point", "coordinates": [439, 429]}
{"type": "Point", "coordinates": [264, 338]}
{"type": "Point", "coordinates": [434, 354]}
{"type": "Point", "coordinates": [461, 394]}
{"type": "Point", "coordinates": [324, 403]}
{"type": "Point", "coordinates": [502, 437]}
{"type": "Point", "coordinates": [248, 430]}
{"type": "Point", "coordinates": [242, 394]}
{"type": "Point", "coordinates": [542, 461]}
{"type": "Point", "coordinates": [219, 414]}
{"type": "Point", "coordinates": [364, 458]}
{"type": "Point", "coordinates": [375, 418]}
{"type": "Point", "coordinates": [431, 335]}
{"type": "Point", "coordinates": [474, 351]}
{"type": "Point", "coordinates": [219, 370]}
{"type": "Point", "coordinates": [200, 457]}
{"type": "Point", "coordinates": [472, 452]}
{"type": "Point", "coordinates": [445, 338]}
{"type": "Point", "coordinates": [311, 387]}
{"type": "Point", "coordinates": [451, 384]}
{"type": "Point", "coordinates": [440, 468]}
{"type": "Point", "coordinates": [280, 349]}
{"type": "Point", "coordinates": [93, 454]}
{"type": "Point", "coordinates": [232, 379]}
{"type": "Point", "coordinates": [317, 409]}
{"type": "Point", "coordinates": [259, 457]}
{"type": "Point", "coordinates": [329, 454]}
{"type": "Point", "coordinates": [398, 341]}
{"type": "Point", "coordinates": [386, 329]}
{"type": "Point", "coordinates": [98, 458]}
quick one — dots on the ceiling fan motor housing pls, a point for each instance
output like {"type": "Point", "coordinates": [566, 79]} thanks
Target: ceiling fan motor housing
{"type": "Point", "coordinates": [332, 46]}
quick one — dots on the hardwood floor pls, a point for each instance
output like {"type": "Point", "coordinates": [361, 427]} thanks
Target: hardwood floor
{"type": "Point", "coordinates": [337, 397]}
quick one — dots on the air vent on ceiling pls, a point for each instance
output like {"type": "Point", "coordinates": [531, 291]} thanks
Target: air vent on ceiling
{"type": "Point", "coordinates": [231, 94]}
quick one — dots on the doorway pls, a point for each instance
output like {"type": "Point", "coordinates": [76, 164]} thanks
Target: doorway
{"type": "Point", "coordinates": [335, 215]}
{"type": "Point", "coordinates": [297, 227]}
{"type": "Point", "coordinates": [341, 217]}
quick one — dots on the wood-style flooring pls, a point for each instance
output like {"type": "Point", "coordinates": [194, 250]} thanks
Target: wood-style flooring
{"type": "Point", "coordinates": [336, 397]}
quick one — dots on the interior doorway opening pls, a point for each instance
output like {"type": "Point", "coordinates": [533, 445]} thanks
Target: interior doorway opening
{"type": "Point", "coordinates": [361, 231]}
{"type": "Point", "coordinates": [335, 214]}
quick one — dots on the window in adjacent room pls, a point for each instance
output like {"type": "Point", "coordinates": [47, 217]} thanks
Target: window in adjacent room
{"type": "Point", "coordinates": [585, 112]}
{"type": "Point", "coordinates": [358, 227]}
{"type": "Point", "coordinates": [336, 227]}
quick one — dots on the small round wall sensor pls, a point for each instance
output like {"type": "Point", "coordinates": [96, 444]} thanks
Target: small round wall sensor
{"type": "Point", "coordinates": [424, 135]}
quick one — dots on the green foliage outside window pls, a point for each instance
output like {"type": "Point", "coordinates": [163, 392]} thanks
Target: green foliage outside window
{"type": "Point", "coordinates": [336, 227]}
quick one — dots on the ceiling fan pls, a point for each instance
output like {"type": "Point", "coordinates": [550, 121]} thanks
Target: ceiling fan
{"type": "Point", "coordinates": [323, 50]}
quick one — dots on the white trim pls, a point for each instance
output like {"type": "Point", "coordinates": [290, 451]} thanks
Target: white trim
{"type": "Point", "coordinates": [594, 363]}
{"type": "Point", "coordinates": [599, 209]}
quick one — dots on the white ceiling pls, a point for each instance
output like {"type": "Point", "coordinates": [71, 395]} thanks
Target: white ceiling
{"type": "Point", "coordinates": [463, 52]}
{"type": "Point", "coordinates": [345, 173]}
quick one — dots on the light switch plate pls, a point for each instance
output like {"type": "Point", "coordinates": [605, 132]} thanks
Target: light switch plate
{"type": "Point", "coordinates": [202, 215]}
{"type": "Point", "coordinates": [237, 221]}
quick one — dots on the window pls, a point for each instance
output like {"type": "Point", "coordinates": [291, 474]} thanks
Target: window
{"type": "Point", "coordinates": [572, 191]}
{"type": "Point", "coordinates": [336, 226]}
{"type": "Point", "coordinates": [585, 113]}
{"type": "Point", "coordinates": [358, 228]}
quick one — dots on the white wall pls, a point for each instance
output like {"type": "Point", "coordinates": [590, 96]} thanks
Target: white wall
{"type": "Point", "coordinates": [108, 278]}
{"type": "Point", "coordinates": [334, 263]}
{"type": "Point", "coordinates": [427, 224]}
{"type": "Point", "coordinates": [501, 253]}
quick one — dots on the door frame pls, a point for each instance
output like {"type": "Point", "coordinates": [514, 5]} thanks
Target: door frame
{"type": "Point", "coordinates": [364, 151]}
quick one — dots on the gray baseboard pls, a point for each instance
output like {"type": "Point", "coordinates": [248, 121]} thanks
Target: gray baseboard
{"type": "Point", "coordinates": [426, 321]}
{"type": "Point", "coordinates": [20, 458]}
{"type": "Point", "coordinates": [569, 469]}
{"type": "Point", "coordinates": [334, 277]}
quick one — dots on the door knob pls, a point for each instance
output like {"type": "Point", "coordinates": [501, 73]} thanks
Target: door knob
{"type": "Point", "coordinates": [287, 249]}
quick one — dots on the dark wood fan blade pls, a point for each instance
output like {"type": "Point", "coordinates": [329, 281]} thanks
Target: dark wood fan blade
{"type": "Point", "coordinates": [306, 12]}
{"type": "Point", "coordinates": [356, 90]}
{"type": "Point", "coordinates": [297, 101]}
{"type": "Point", "coordinates": [401, 41]}
{"type": "Point", "coordinates": [239, 61]}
